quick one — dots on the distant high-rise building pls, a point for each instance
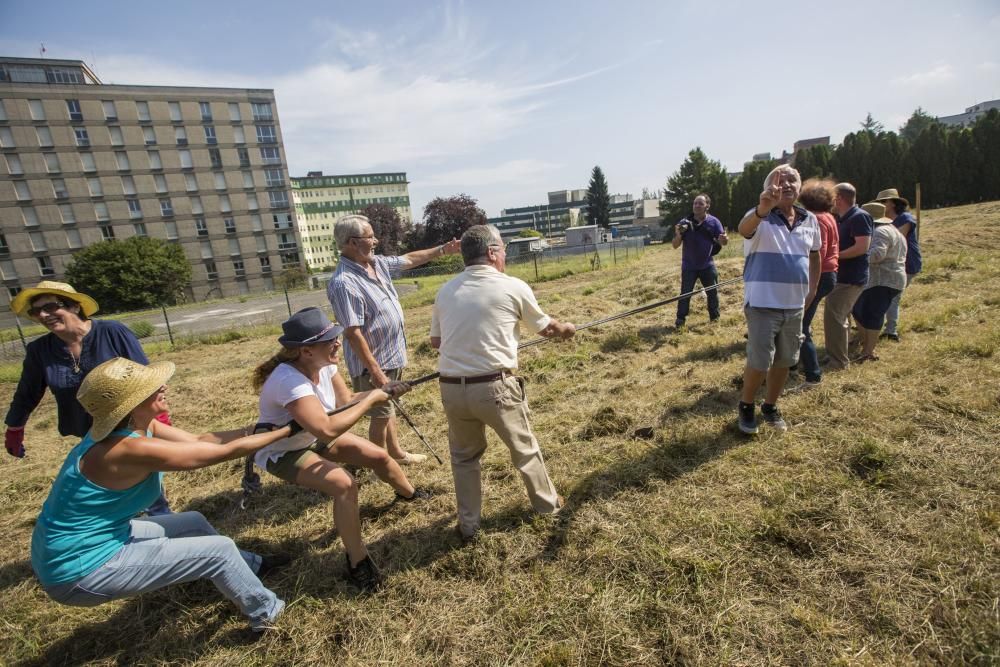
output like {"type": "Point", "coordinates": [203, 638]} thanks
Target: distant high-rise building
{"type": "Point", "coordinates": [320, 200]}
{"type": "Point", "coordinates": [86, 162]}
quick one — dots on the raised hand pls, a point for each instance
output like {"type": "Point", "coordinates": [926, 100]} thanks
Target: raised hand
{"type": "Point", "coordinates": [770, 196]}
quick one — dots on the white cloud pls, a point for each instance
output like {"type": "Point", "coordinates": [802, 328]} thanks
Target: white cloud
{"type": "Point", "coordinates": [935, 76]}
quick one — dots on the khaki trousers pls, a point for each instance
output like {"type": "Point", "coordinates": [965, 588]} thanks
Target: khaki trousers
{"type": "Point", "coordinates": [836, 322]}
{"type": "Point", "coordinates": [503, 406]}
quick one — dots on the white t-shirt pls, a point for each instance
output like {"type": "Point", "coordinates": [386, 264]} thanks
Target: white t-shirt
{"type": "Point", "coordinates": [287, 384]}
{"type": "Point", "coordinates": [477, 316]}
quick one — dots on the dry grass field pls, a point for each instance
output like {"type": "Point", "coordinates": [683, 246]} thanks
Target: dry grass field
{"type": "Point", "coordinates": [868, 534]}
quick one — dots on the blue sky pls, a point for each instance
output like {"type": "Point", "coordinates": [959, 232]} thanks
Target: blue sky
{"type": "Point", "coordinates": [508, 100]}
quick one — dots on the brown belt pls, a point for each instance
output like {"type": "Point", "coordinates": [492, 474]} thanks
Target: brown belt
{"type": "Point", "coordinates": [492, 377]}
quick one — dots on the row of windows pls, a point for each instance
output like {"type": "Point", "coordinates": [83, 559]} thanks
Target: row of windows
{"type": "Point", "coordinates": [268, 156]}
{"type": "Point", "coordinates": [260, 111]}
{"type": "Point", "coordinates": [266, 134]}
{"type": "Point", "coordinates": [360, 179]}
{"type": "Point", "coordinates": [333, 194]}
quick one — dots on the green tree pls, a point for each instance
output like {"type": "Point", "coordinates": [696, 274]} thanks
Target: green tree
{"type": "Point", "coordinates": [697, 174]}
{"type": "Point", "coordinates": [139, 272]}
{"type": "Point", "coordinates": [917, 123]}
{"type": "Point", "coordinates": [869, 124]}
{"type": "Point", "coordinates": [598, 200]}
{"type": "Point", "coordinates": [529, 234]}
{"type": "Point", "coordinates": [389, 228]}
{"type": "Point", "coordinates": [931, 167]}
{"type": "Point", "coordinates": [814, 162]}
{"type": "Point", "coordinates": [446, 218]}
{"type": "Point", "coordinates": [292, 277]}
{"type": "Point", "coordinates": [986, 136]}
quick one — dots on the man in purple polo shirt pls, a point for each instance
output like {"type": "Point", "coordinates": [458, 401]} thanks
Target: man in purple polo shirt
{"type": "Point", "coordinates": [698, 232]}
{"type": "Point", "coordinates": [366, 304]}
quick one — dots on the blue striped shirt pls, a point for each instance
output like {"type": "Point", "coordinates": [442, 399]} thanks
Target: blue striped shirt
{"type": "Point", "coordinates": [359, 300]}
{"type": "Point", "coordinates": [776, 272]}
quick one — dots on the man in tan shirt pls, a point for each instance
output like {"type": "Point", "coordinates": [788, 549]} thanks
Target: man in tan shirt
{"type": "Point", "coordinates": [475, 327]}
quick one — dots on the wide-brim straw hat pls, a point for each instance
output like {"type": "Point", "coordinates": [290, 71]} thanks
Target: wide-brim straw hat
{"type": "Point", "coordinates": [115, 388]}
{"type": "Point", "coordinates": [877, 211]}
{"type": "Point", "coordinates": [20, 303]}
{"type": "Point", "coordinates": [891, 193]}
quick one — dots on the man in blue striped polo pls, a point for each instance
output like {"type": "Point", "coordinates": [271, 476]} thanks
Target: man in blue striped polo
{"type": "Point", "coordinates": [366, 304]}
{"type": "Point", "coordinates": [780, 276]}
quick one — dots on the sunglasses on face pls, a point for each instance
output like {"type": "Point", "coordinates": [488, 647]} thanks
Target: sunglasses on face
{"type": "Point", "coordinates": [50, 307]}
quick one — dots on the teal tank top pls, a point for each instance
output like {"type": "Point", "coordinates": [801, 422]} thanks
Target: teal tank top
{"type": "Point", "coordinates": [82, 524]}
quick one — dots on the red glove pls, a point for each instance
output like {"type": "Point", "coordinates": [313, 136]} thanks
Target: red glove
{"type": "Point", "coordinates": [164, 418]}
{"type": "Point", "coordinates": [13, 441]}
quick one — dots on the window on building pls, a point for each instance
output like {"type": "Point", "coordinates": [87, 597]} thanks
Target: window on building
{"type": "Point", "coordinates": [128, 185]}
{"type": "Point", "coordinates": [239, 137]}
{"type": "Point", "coordinates": [14, 167]}
{"type": "Point", "coordinates": [190, 183]}
{"type": "Point", "coordinates": [7, 269]}
{"type": "Point", "coordinates": [289, 259]}
{"type": "Point", "coordinates": [3, 111]}
{"type": "Point", "coordinates": [238, 268]}
{"type": "Point", "coordinates": [266, 134]}
{"type": "Point", "coordinates": [274, 177]}
{"type": "Point", "coordinates": [206, 110]}
{"type": "Point", "coordinates": [225, 206]}
{"type": "Point", "coordinates": [220, 180]}
{"type": "Point", "coordinates": [115, 133]}
{"type": "Point", "coordinates": [149, 136]}
{"type": "Point", "coordinates": [252, 203]}
{"type": "Point", "coordinates": [108, 232]}
{"type": "Point", "coordinates": [73, 239]}
{"type": "Point", "coordinates": [215, 158]}
{"type": "Point", "coordinates": [210, 137]}
{"type": "Point", "coordinates": [282, 220]}
{"type": "Point", "coordinates": [244, 156]}
{"type": "Point", "coordinates": [134, 208]}
{"type": "Point", "coordinates": [7, 138]}
{"type": "Point", "coordinates": [270, 155]}
{"type": "Point", "coordinates": [186, 161]}
{"type": "Point", "coordinates": [265, 264]}
{"type": "Point", "coordinates": [160, 183]}
{"type": "Point", "coordinates": [59, 188]}
{"type": "Point", "coordinates": [278, 199]}
{"type": "Point", "coordinates": [29, 216]}
{"type": "Point", "coordinates": [36, 109]}
{"type": "Point", "coordinates": [154, 160]}
{"type": "Point", "coordinates": [201, 227]}
{"type": "Point", "coordinates": [211, 272]}
{"type": "Point", "coordinates": [180, 135]}
{"type": "Point", "coordinates": [139, 228]}
{"type": "Point", "coordinates": [101, 211]}
{"type": "Point", "coordinates": [166, 208]}
{"type": "Point", "coordinates": [51, 163]}
{"type": "Point", "coordinates": [45, 266]}
{"type": "Point", "coordinates": [196, 206]}
{"type": "Point", "coordinates": [171, 230]}
{"type": "Point", "coordinates": [4, 248]}
{"type": "Point", "coordinates": [261, 110]}
{"type": "Point", "coordinates": [94, 185]}
{"type": "Point", "coordinates": [87, 162]}
{"type": "Point", "coordinates": [230, 225]}
{"type": "Point", "coordinates": [142, 111]}
{"type": "Point", "coordinates": [261, 244]}
{"type": "Point", "coordinates": [37, 241]}
{"type": "Point", "coordinates": [234, 112]}
{"type": "Point", "coordinates": [248, 179]}
{"type": "Point", "coordinates": [82, 138]}
{"type": "Point", "coordinates": [121, 157]}
{"type": "Point", "coordinates": [110, 112]}
{"type": "Point", "coordinates": [74, 110]}
{"type": "Point", "coordinates": [175, 111]}
{"type": "Point", "coordinates": [255, 223]}
{"type": "Point", "coordinates": [67, 214]}
{"type": "Point", "coordinates": [44, 137]}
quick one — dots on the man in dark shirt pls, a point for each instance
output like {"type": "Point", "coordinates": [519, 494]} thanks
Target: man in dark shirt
{"type": "Point", "coordinates": [699, 232]}
{"type": "Point", "coordinates": [855, 227]}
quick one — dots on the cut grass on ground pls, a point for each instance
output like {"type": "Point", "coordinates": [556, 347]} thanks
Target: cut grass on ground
{"type": "Point", "coordinates": [867, 534]}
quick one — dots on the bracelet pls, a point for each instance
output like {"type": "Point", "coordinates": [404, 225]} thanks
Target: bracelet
{"type": "Point", "coordinates": [759, 216]}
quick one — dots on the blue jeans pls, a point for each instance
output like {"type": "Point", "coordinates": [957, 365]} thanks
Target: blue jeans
{"type": "Point", "coordinates": [708, 277]}
{"type": "Point", "coordinates": [173, 549]}
{"type": "Point", "coordinates": [807, 355]}
{"type": "Point", "coordinates": [892, 315]}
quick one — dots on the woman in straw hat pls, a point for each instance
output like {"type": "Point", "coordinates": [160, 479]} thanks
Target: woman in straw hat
{"type": "Point", "coordinates": [301, 382]}
{"type": "Point", "coordinates": [61, 359]}
{"type": "Point", "coordinates": [886, 280]}
{"type": "Point", "coordinates": [87, 548]}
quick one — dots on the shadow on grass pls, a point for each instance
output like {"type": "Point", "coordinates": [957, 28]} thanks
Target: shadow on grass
{"type": "Point", "coordinates": [12, 574]}
{"type": "Point", "coordinates": [715, 352]}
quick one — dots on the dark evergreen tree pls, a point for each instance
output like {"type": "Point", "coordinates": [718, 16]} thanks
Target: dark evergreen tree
{"type": "Point", "coordinates": [598, 200]}
{"type": "Point", "coordinates": [917, 123]}
{"type": "Point", "coordinates": [696, 175]}
{"type": "Point", "coordinates": [869, 124]}
{"type": "Point", "coordinates": [747, 187]}
{"type": "Point", "coordinates": [814, 162]}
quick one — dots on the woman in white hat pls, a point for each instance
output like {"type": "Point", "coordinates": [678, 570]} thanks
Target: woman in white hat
{"type": "Point", "coordinates": [60, 360]}
{"type": "Point", "coordinates": [301, 382]}
{"type": "Point", "coordinates": [87, 548]}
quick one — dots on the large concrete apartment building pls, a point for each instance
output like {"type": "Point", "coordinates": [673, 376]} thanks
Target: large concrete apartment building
{"type": "Point", "coordinates": [320, 200]}
{"type": "Point", "coordinates": [566, 208]}
{"type": "Point", "coordinates": [84, 162]}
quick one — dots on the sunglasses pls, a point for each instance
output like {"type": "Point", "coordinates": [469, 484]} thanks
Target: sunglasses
{"type": "Point", "coordinates": [50, 307]}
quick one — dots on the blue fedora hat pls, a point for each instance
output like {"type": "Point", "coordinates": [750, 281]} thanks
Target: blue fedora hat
{"type": "Point", "coordinates": [308, 326]}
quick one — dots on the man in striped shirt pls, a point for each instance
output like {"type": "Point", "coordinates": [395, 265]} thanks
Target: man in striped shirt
{"type": "Point", "coordinates": [366, 304]}
{"type": "Point", "coordinates": [780, 276]}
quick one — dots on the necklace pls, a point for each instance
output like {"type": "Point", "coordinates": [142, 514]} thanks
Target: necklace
{"type": "Point", "coordinates": [76, 362]}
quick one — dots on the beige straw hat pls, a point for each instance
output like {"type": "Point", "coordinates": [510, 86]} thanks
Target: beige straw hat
{"type": "Point", "coordinates": [877, 211]}
{"type": "Point", "coordinates": [891, 193]}
{"type": "Point", "coordinates": [115, 388]}
{"type": "Point", "coordinates": [20, 303]}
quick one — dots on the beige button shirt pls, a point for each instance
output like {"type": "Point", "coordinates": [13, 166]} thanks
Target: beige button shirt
{"type": "Point", "coordinates": [476, 316]}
